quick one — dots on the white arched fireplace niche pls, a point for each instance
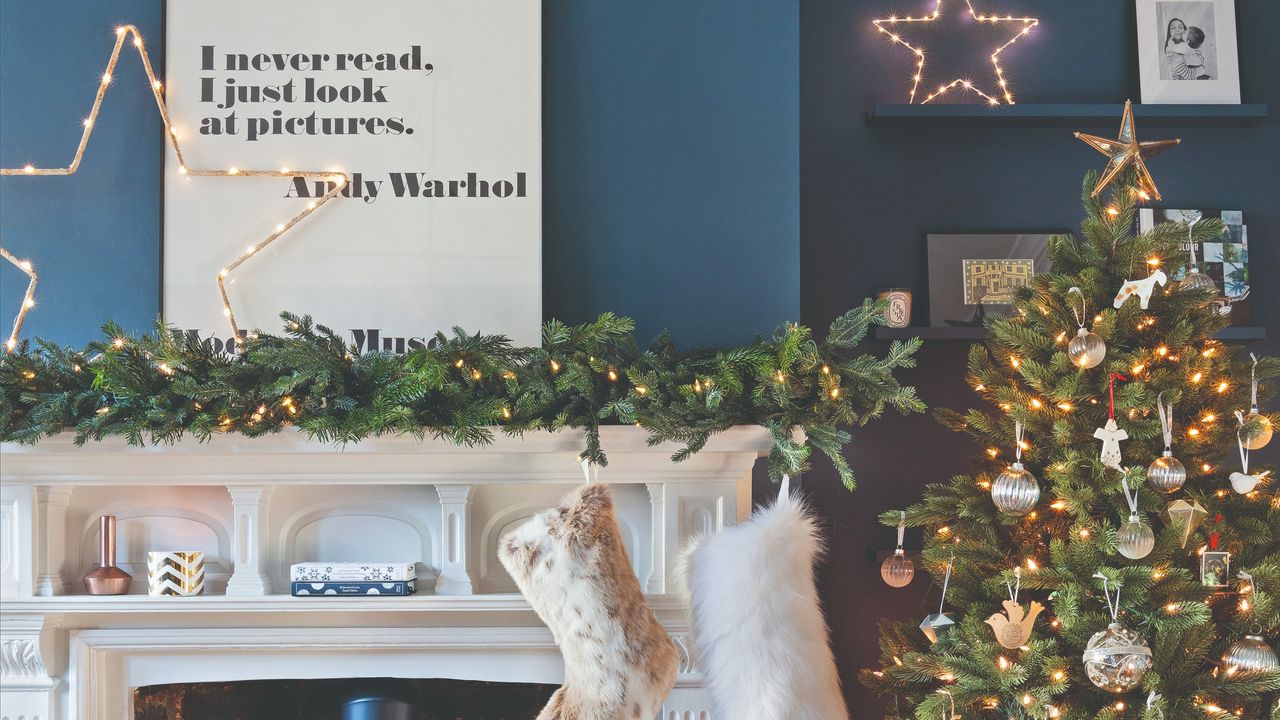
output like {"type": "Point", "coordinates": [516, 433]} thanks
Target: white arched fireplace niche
{"type": "Point", "coordinates": [255, 506]}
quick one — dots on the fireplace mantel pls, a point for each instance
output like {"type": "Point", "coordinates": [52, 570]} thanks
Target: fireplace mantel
{"type": "Point", "coordinates": [257, 505]}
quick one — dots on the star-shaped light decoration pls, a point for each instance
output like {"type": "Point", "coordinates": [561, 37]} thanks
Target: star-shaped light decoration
{"type": "Point", "coordinates": [28, 298]}
{"type": "Point", "coordinates": [1125, 151]}
{"type": "Point", "coordinates": [893, 26]}
{"type": "Point", "coordinates": [336, 180]}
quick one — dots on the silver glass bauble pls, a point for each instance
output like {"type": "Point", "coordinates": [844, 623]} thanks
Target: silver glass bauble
{"type": "Point", "coordinates": [1015, 491]}
{"type": "Point", "coordinates": [1116, 659]}
{"type": "Point", "coordinates": [1196, 280]}
{"type": "Point", "coordinates": [1135, 539]}
{"type": "Point", "coordinates": [1166, 473]}
{"type": "Point", "coordinates": [1086, 349]}
{"type": "Point", "coordinates": [897, 569]}
{"type": "Point", "coordinates": [1262, 436]}
{"type": "Point", "coordinates": [1250, 655]}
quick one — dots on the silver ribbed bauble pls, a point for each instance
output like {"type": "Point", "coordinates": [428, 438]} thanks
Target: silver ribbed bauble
{"type": "Point", "coordinates": [1250, 655]}
{"type": "Point", "coordinates": [1086, 349]}
{"type": "Point", "coordinates": [1135, 539]}
{"type": "Point", "coordinates": [1259, 439]}
{"type": "Point", "coordinates": [1166, 473]}
{"type": "Point", "coordinates": [1116, 659]}
{"type": "Point", "coordinates": [1015, 491]}
{"type": "Point", "coordinates": [1196, 280]}
{"type": "Point", "coordinates": [897, 569]}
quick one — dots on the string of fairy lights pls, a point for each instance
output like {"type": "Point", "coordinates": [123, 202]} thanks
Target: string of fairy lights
{"type": "Point", "coordinates": [893, 27]}
{"type": "Point", "coordinates": [28, 298]}
{"type": "Point", "coordinates": [336, 180]}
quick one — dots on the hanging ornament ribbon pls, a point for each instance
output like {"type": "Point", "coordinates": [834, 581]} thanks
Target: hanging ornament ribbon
{"type": "Point", "coordinates": [1242, 482]}
{"type": "Point", "coordinates": [1130, 497]}
{"type": "Point", "coordinates": [1166, 421]}
{"type": "Point", "coordinates": [953, 715]}
{"type": "Point", "coordinates": [1017, 439]}
{"type": "Point", "coordinates": [1215, 537]}
{"type": "Point", "coordinates": [1253, 384]}
{"type": "Point", "coordinates": [946, 580]}
{"type": "Point", "coordinates": [1111, 390]}
{"type": "Point", "coordinates": [1083, 307]}
{"type": "Point", "coordinates": [1152, 699]}
{"type": "Point", "coordinates": [1240, 444]}
{"type": "Point", "coordinates": [902, 527]}
{"type": "Point", "coordinates": [1106, 594]}
{"type": "Point", "coordinates": [785, 490]}
{"type": "Point", "coordinates": [1014, 589]}
{"type": "Point", "coordinates": [590, 473]}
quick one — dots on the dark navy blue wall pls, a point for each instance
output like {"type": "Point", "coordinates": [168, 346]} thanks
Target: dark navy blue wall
{"type": "Point", "coordinates": [671, 165]}
{"type": "Point", "coordinates": [870, 193]}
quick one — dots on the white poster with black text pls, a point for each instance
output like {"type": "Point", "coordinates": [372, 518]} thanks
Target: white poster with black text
{"type": "Point", "coordinates": [433, 110]}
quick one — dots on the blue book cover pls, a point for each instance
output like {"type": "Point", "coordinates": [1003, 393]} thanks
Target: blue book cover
{"type": "Point", "coordinates": [309, 589]}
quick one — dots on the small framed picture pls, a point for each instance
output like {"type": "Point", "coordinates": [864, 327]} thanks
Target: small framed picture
{"type": "Point", "coordinates": [1225, 258]}
{"type": "Point", "coordinates": [1187, 51]}
{"type": "Point", "coordinates": [973, 276]}
{"type": "Point", "coordinates": [1215, 568]}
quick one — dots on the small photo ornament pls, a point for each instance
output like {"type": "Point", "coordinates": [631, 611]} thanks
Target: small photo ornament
{"type": "Point", "coordinates": [1215, 568]}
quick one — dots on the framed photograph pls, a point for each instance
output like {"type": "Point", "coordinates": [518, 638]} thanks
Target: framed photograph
{"type": "Point", "coordinates": [973, 276]}
{"type": "Point", "coordinates": [1225, 259]}
{"type": "Point", "coordinates": [432, 108]}
{"type": "Point", "coordinates": [1215, 568]}
{"type": "Point", "coordinates": [1187, 51]}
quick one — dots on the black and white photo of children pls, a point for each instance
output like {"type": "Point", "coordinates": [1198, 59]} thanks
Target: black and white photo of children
{"type": "Point", "coordinates": [1187, 40]}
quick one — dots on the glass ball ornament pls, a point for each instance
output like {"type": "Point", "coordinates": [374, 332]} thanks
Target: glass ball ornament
{"type": "Point", "coordinates": [1086, 349]}
{"type": "Point", "coordinates": [1250, 655]}
{"type": "Point", "coordinates": [1166, 473]}
{"type": "Point", "coordinates": [1116, 659]}
{"type": "Point", "coordinates": [1015, 491]}
{"type": "Point", "coordinates": [897, 569]}
{"type": "Point", "coordinates": [1259, 439]}
{"type": "Point", "coordinates": [1135, 539]}
{"type": "Point", "coordinates": [1196, 280]}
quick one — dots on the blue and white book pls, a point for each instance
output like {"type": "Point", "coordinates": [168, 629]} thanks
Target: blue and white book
{"type": "Point", "coordinates": [308, 589]}
{"type": "Point", "coordinates": [353, 571]}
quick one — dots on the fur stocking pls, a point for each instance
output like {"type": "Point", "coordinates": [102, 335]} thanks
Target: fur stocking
{"type": "Point", "coordinates": [757, 625]}
{"type": "Point", "coordinates": [570, 564]}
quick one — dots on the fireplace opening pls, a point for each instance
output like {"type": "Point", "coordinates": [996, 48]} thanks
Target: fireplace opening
{"type": "Point", "coordinates": [342, 699]}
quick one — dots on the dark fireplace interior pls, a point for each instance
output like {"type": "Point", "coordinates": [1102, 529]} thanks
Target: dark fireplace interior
{"type": "Point", "coordinates": [342, 699]}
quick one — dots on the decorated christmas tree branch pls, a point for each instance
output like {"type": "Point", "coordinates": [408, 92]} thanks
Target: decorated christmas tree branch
{"type": "Point", "coordinates": [462, 387]}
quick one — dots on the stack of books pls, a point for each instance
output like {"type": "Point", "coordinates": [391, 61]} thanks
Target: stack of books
{"type": "Point", "coordinates": [314, 579]}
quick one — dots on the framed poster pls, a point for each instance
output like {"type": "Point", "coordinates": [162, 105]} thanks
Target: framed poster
{"type": "Point", "coordinates": [1225, 259]}
{"type": "Point", "coordinates": [1187, 51]}
{"type": "Point", "coordinates": [433, 110]}
{"type": "Point", "coordinates": [973, 276]}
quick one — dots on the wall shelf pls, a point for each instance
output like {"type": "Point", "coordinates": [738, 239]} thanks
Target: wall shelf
{"type": "Point", "coordinates": [1071, 115]}
{"type": "Point", "coordinates": [975, 334]}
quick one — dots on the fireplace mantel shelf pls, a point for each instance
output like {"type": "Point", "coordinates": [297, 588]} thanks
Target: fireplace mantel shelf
{"type": "Point", "coordinates": [254, 506]}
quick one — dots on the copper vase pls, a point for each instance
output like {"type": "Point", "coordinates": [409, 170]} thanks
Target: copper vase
{"type": "Point", "coordinates": [106, 578]}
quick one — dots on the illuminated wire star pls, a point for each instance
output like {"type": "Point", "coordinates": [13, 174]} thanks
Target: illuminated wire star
{"type": "Point", "coordinates": [334, 179]}
{"type": "Point", "coordinates": [28, 298]}
{"type": "Point", "coordinates": [1125, 151]}
{"type": "Point", "coordinates": [893, 26]}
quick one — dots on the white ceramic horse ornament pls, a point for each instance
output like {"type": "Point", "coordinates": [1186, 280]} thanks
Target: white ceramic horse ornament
{"type": "Point", "coordinates": [1141, 288]}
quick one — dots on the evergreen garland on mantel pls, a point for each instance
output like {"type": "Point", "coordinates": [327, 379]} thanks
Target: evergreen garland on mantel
{"type": "Point", "coordinates": [157, 387]}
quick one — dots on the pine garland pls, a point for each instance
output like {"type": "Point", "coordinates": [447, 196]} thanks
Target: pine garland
{"type": "Point", "coordinates": [158, 387]}
{"type": "Point", "coordinates": [1023, 374]}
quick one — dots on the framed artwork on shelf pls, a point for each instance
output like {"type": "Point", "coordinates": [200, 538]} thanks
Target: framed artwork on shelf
{"type": "Point", "coordinates": [1187, 52]}
{"type": "Point", "coordinates": [973, 276]}
{"type": "Point", "coordinates": [1225, 259]}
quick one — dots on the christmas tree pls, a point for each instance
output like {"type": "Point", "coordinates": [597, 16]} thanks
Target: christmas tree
{"type": "Point", "coordinates": [1190, 621]}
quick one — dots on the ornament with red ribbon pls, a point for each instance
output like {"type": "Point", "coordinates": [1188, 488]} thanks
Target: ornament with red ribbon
{"type": "Point", "coordinates": [1111, 434]}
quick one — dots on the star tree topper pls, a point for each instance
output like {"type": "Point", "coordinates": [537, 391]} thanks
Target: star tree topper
{"type": "Point", "coordinates": [1125, 151]}
{"type": "Point", "coordinates": [893, 26]}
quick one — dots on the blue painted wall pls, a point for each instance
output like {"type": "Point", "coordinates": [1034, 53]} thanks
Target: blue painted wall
{"type": "Point", "coordinates": [869, 194]}
{"type": "Point", "coordinates": [671, 165]}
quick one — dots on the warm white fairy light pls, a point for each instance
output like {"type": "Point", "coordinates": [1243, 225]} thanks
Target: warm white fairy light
{"type": "Point", "coordinates": [892, 28]}
{"type": "Point", "coordinates": [28, 298]}
{"type": "Point", "coordinates": [336, 179]}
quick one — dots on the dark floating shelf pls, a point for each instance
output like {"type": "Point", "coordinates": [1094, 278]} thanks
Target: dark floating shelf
{"type": "Point", "coordinates": [974, 334]}
{"type": "Point", "coordinates": [1067, 115]}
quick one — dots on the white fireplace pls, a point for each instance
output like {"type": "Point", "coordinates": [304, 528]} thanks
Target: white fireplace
{"type": "Point", "coordinates": [255, 506]}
